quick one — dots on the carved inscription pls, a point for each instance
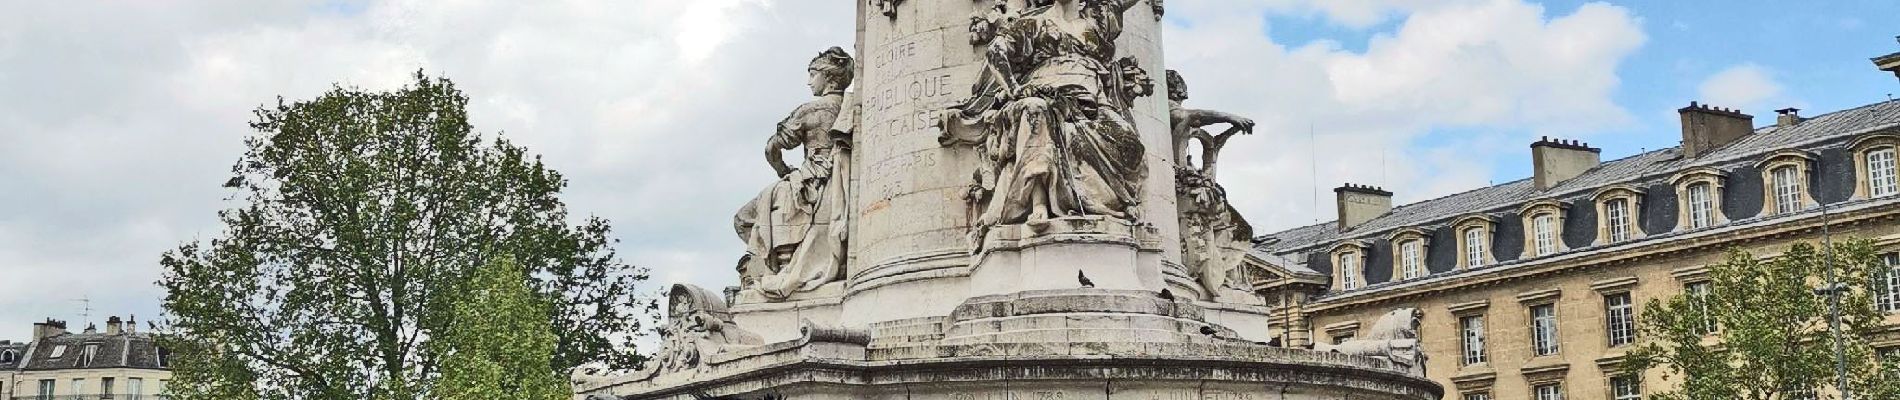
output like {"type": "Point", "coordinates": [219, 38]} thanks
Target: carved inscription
{"type": "Point", "coordinates": [1028, 395]}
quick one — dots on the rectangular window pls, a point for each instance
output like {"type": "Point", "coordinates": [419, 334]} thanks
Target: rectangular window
{"type": "Point", "coordinates": [1349, 271]}
{"type": "Point", "coordinates": [1881, 179]}
{"type": "Point", "coordinates": [79, 386]}
{"type": "Point", "coordinates": [1617, 215]}
{"type": "Point", "coordinates": [1701, 206]}
{"type": "Point", "coordinates": [1544, 227]}
{"type": "Point", "coordinates": [1544, 329]}
{"type": "Point", "coordinates": [1472, 328]}
{"type": "Point", "coordinates": [105, 388]}
{"type": "Point", "coordinates": [135, 387]}
{"type": "Point", "coordinates": [1342, 338]}
{"type": "Point", "coordinates": [1699, 293]}
{"type": "Point", "coordinates": [1621, 317]}
{"type": "Point", "coordinates": [46, 389]}
{"type": "Point", "coordinates": [1626, 387]}
{"type": "Point", "coordinates": [1477, 396]}
{"type": "Point", "coordinates": [1887, 284]}
{"type": "Point", "coordinates": [1474, 248]}
{"type": "Point", "coordinates": [1549, 391]}
{"type": "Point", "coordinates": [1787, 190]}
{"type": "Point", "coordinates": [1411, 262]}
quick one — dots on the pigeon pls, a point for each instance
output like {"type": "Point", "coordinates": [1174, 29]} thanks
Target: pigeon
{"type": "Point", "coordinates": [1167, 294]}
{"type": "Point", "coordinates": [1084, 279]}
{"type": "Point", "coordinates": [1207, 330]}
{"type": "Point", "coordinates": [1274, 343]}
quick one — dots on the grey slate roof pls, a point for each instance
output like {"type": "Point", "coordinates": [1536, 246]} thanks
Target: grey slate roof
{"type": "Point", "coordinates": [1824, 130]}
{"type": "Point", "coordinates": [125, 350]}
{"type": "Point", "coordinates": [10, 354]}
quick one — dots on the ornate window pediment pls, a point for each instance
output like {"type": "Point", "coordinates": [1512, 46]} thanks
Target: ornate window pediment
{"type": "Point", "coordinates": [1785, 176]}
{"type": "Point", "coordinates": [1699, 193]}
{"type": "Point", "coordinates": [1349, 264]}
{"type": "Point", "coordinates": [1474, 235]}
{"type": "Point", "coordinates": [1409, 247]}
{"type": "Point", "coordinates": [1543, 227]}
{"type": "Point", "coordinates": [1876, 171]}
{"type": "Point", "coordinates": [1619, 213]}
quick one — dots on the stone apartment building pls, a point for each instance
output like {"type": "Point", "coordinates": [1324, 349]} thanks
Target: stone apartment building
{"type": "Point", "coordinates": [1531, 289]}
{"type": "Point", "coordinates": [119, 363]}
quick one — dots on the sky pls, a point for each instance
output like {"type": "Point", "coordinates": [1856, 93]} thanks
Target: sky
{"type": "Point", "coordinates": [119, 120]}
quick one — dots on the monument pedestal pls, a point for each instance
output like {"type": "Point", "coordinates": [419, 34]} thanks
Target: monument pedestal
{"type": "Point", "coordinates": [1058, 253]}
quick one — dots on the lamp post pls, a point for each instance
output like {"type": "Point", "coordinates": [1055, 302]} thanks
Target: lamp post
{"type": "Point", "coordinates": [1833, 291]}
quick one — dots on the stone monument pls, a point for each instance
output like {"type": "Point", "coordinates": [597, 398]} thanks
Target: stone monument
{"type": "Point", "coordinates": [997, 200]}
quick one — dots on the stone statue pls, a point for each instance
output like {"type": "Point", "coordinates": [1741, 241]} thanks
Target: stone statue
{"type": "Point", "coordinates": [795, 231]}
{"type": "Point", "coordinates": [697, 326]}
{"type": "Point", "coordinates": [887, 7]}
{"type": "Point", "coordinates": [1394, 337]}
{"type": "Point", "coordinates": [1159, 9]}
{"type": "Point", "coordinates": [1050, 118]}
{"type": "Point", "coordinates": [1214, 238]}
{"type": "Point", "coordinates": [1189, 123]}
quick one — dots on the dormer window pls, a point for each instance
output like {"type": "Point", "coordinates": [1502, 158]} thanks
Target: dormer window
{"type": "Point", "coordinates": [86, 355]}
{"type": "Point", "coordinates": [1699, 196]}
{"type": "Point", "coordinates": [1408, 253]}
{"type": "Point", "coordinates": [1349, 263]}
{"type": "Point", "coordinates": [1474, 240]}
{"type": "Point", "coordinates": [1543, 227]}
{"type": "Point", "coordinates": [1617, 207]}
{"type": "Point", "coordinates": [1874, 158]}
{"type": "Point", "coordinates": [9, 356]}
{"type": "Point", "coordinates": [1785, 174]}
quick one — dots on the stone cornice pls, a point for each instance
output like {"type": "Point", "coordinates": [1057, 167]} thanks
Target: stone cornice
{"type": "Point", "coordinates": [1614, 285]}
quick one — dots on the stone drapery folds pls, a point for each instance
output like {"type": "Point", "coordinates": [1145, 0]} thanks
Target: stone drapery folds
{"type": "Point", "coordinates": [795, 231]}
{"type": "Point", "coordinates": [1049, 117]}
{"type": "Point", "coordinates": [1394, 337]}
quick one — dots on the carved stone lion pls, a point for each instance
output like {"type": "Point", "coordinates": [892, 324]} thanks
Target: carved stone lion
{"type": "Point", "coordinates": [1394, 337]}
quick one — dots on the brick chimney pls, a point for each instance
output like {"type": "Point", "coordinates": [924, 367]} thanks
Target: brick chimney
{"type": "Point", "coordinates": [1555, 161]}
{"type": "Point", "coordinates": [114, 325]}
{"type": "Point", "coordinates": [1360, 203]}
{"type": "Point", "coordinates": [1788, 117]}
{"type": "Point", "coordinates": [1706, 128]}
{"type": "Point", "coordinates": [50, 328]}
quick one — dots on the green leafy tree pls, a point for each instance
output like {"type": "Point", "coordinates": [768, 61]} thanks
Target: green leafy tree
{"type": "Point", "coordinates": [500, 350]}
{"type": "Point", "coordinates": [1760, 331]}
{"type": "Point", "coordinates": [357, 216]}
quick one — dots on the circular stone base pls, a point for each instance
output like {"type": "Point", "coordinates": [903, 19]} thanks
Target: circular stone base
{"type": "Point", "coordinates": [1172, 378]}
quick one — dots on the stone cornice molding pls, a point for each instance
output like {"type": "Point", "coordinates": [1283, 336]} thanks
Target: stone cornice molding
{"type": "Point", "coordinates": [1614, 285]}
{"type": "Point", "coordinates": [1469, 308]}
{"type": "Point", "coordinates": [1540, 297]}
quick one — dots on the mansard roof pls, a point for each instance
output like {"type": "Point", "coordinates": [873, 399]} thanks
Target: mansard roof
{"type": "Point", "coordinates": [1658, 165]}
{"type": "Point", "coordinates": [125, 350]}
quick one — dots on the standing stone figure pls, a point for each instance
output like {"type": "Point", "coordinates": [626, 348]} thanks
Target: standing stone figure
{"type": "Point", "coordinates": [1214, 237]}
{"type": "Point", "coordinates": [795, 231]}
{"type": "Point", "coordinates": [1049, 118]}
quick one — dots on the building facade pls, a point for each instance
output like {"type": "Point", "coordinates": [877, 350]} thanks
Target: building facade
{"type": "Point", "coordinates": [1532, 289]}
{"type": "Point", "coordinates": [119, 363]}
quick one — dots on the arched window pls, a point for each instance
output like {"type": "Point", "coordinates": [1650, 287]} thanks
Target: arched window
{"type": "Point", "coordinates": [1881, 178]}
{"type": "Point", "coordinates": [9, 356]}
{"type": "Point", "coordinates": [1349, 265]}
{"type": "Point", "coordinates": [1617, 213]}
{"type": "Point", "coordinates": [1543, 227]}
{"type": "Point", "coordinates": [1699, 197]}
{"type": "Point", "coordinates": [1785, 175]}
{"type": "Point", "coordinates": [1408, 253]}
{"type": "Point", "coordinates": [1877, 165]}
{"type": "Point", "coordinates": [1474, 240]}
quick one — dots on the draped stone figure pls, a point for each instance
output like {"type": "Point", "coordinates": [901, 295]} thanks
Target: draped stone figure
{"type": "Point", "coordinates": [1049, 117]}
{"type": "Point", "coordinates": [1214, 237]}
{"type": "Point", "coordinates": [795, 231]}
{"type": "Point", "coordinates": [1393, 337]}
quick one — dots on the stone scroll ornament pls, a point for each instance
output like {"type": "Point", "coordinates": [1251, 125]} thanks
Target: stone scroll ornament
{"type": "Point", "coordinates": [1049, 119]}
{"type": "Point", "coordinates": [795, 231]}
{"type": "Point", "coordinates": [698, 326]}
{"type": "Point", "coordinates": [1394, 337]}
{"type": "Point", "coordinates": [887, 7]}
{"type": "Point", "coordinates": [1215, 238]}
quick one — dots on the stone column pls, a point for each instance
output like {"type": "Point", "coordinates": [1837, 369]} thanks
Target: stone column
{"type": "Point", "coordinates": [911, 255]}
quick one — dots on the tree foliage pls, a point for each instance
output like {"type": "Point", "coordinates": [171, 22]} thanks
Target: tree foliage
{"type": "Point", "coordinates": [357, 216]}
{"type": "Point", "coordinates": [1761, 330]}
{"type": "Point", "coordinates": [500, 348]}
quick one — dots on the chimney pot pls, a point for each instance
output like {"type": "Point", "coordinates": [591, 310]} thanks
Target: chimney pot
{"type": "Point", "coordinates": [114, 325]}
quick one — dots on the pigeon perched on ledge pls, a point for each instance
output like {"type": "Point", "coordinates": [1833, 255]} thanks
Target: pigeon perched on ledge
{"type": "Point", "coordinates": [1084, 280]}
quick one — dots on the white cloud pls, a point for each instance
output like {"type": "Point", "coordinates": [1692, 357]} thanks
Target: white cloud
{"type": "Point", "coordinates": [1745, 87]}
{"type": "Point", "coordinates": [114, 138]}
{"type": "Point", "coordinates": [1499, 72]}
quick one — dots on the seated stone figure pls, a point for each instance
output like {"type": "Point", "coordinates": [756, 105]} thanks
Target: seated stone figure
{"type": "Point", "coordinates": [795, 230]}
